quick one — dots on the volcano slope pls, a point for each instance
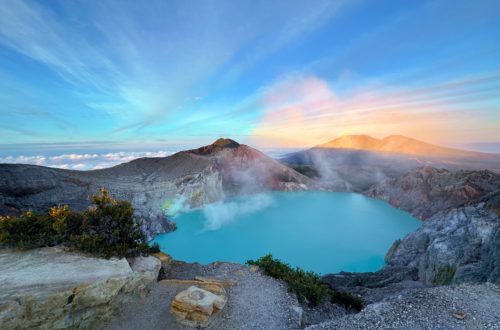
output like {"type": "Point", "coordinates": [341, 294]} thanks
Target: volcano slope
{"type": "Point", "coordinates": [192, 178]}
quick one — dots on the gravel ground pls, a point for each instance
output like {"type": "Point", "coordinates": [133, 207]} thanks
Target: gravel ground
{"type": "Point", "coordinates": [428, 308]}
{"type": "Point", "coordinates": [323, 312]}
{"type": "Point", "coordinates": [254, 301]}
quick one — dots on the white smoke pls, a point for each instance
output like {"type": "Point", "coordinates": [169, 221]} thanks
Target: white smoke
{"type": "Point", "coordinates": [222, 213]}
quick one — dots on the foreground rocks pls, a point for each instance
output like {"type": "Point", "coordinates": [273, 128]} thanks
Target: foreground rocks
{"type": "Point", "coordinates": [455, 246]}
{"type": "Point", "coordinates": [254, 301]}
{"type": "Point", "coordinates": [196, 306]}
{"type": "Point", "coordinates": [447, 307]}
{"type": "Point", "coordinates": [51, 288]}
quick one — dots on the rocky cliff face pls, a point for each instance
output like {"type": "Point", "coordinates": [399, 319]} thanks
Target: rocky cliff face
{"type": "Point", "coordinates": [457, 243]}
{"type": "Point", "coordinates": [152, 185]}
{"type": "Point", "coordinates": [454, 246]}
{"type": "Point", "coordinates": [426, 191]}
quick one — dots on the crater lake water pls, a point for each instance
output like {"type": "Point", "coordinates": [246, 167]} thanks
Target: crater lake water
{"type": "Point", "coordinates": [323, 232]}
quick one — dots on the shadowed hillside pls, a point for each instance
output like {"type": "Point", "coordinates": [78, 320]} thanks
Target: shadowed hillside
{"type": "Point", "coordinates": [356, 162]}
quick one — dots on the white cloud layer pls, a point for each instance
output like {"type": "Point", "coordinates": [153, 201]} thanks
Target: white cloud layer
{"type": "Point", "coordinates": [86, 161]}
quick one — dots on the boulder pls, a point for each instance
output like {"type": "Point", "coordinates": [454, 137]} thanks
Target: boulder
{"type": "Point", "coordinates": [51, 288]}
{"type": "Point", "coordinates": [165, 259]}
{"type": "Point", "coordinates": [196, 306]}
{"type": "Point", "coordinates": [146, 270]}
{"type": "Point", "coordinates": [454, 246]}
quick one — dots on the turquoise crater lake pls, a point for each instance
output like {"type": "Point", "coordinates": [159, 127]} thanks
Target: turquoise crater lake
{"type": "Point", "coordinates": [320, 231]}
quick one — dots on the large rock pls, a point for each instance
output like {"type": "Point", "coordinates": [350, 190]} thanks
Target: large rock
{"type": "Point", "coordinates": [146, 269]}
{"type": "Point", "coordinates": [455, 246]}
{"type": "Point", "coordinates": [196, 306]}
{"type": "Point", "coordinates": [51, 288]}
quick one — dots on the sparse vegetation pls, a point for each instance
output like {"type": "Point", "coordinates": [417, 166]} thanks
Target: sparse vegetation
{"type": "Point", "coordinates": [392, 250]}
{"type": "Point", "coordinates": [306, 285]}
{"type": "Point", "coordinates": [444, 275]}
{"type": "Point", "coordinates": [107, 229]}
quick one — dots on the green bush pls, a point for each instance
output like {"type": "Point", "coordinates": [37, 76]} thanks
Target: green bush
{"type": "Point", "coordinates": [28, 231]}
{"type": "Point", "coordinates": [107, 229]}
{"type": "Point", "coordinates": [154, 248]}
{"type": "Point", "coordinates": [444, 275]}
{"type": "Point", "coordinates": [306, 285]}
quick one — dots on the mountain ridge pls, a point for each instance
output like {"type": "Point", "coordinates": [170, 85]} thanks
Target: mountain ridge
{"type": "Point", "coordinates": [192, 178]}
{"type": "Point", "coordinates": [398, 144]}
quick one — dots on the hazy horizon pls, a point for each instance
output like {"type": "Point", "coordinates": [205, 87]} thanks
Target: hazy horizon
{"type": "Point", "coordinates": [97, 155]}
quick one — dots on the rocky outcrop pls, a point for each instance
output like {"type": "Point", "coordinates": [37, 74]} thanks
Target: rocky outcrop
{"type": "Point", "coordinates": [153, 185]}
{"type": "Point", "coordinates": [196, 306]}
{"type": "Point", "coordinates": [426, 191]}
{"type": "Point", "coordinates": [374, 287]}
{"type": "Point", "coordinates": [51, 288]}
{"type": "Point", "coordinates": [454, 246]}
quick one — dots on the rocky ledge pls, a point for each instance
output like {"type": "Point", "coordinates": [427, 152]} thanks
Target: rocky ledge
{"type": "Point", "coordinates": [51, 288]}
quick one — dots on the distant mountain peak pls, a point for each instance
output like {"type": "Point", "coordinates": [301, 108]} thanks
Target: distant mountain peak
{"type": "Point", "coordinates": [394, 144]}
{"type": "Point", "coordinates": [225, 143]}
{"type": "Point", "coordinates": [217, 145]}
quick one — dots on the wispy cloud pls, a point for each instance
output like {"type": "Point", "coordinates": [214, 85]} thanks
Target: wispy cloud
{"type": "Point", "coordinates": [86, 161]}
{"type": "Point", "coordinates": [125, 70]}
{"type": "Point", "coordinates": [143, 72]}
{"type": "Point", "coordinates": [306, 111]}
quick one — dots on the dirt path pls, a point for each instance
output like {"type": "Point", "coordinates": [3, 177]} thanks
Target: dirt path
{"type": "Point", "coordinates": [255, 301]}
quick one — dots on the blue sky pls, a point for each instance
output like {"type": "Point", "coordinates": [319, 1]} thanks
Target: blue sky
{"type": "Point", "coordinates": [148, 75]}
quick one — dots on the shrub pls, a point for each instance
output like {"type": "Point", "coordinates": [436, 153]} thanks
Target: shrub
{"type": "Point", "coordinates": [390, 254]}
{"type": "Point", "coordinates": [28, 231]}
{"type": "Point", "coordinates": [154, 248]}
{"type": "Point", "coordinates": [107, 229]}
{"type": "Point", "coordinates": [306, 285]}
{"type": "Point", "coordinates": [444, 275]}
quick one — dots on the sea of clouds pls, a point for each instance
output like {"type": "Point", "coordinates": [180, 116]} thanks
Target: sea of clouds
{"type": "Point", "coordinates": [84, 161]}
{"type": "Point", "coordinates": [90, 160]}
